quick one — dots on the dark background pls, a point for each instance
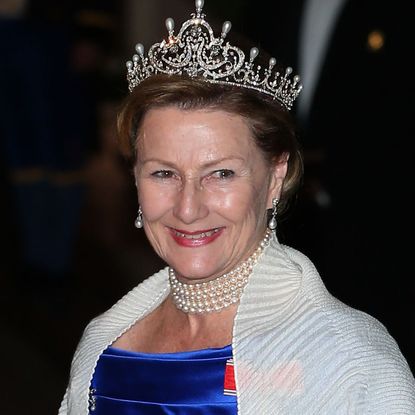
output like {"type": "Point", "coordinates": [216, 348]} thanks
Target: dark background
{"type": "Point", "coordinates": [68, 244]}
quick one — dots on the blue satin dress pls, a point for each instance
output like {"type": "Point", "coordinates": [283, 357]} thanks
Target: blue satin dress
{"type": "Point", "coordinates": [183, 383]}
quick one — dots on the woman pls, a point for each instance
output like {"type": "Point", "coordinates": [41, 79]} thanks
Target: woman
{"type": "Point", "coordinates": [237, 323]}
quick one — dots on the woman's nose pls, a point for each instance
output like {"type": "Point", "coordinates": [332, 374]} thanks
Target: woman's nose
{"type": "Point", "coordinates": [190, 202]}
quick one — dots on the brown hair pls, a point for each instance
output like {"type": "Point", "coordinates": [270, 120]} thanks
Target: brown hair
{"type": "Point", "coordinates": [272, 126]}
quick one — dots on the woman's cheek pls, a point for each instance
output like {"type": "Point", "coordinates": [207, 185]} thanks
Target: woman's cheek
{"type": "Point", "coordinates": [156, 201]}
{"type": "Point", "coordinates": [233, 203]}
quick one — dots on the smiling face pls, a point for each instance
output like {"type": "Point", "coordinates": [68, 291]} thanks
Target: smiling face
{"type": "Point", "coordinates": [204, 188]}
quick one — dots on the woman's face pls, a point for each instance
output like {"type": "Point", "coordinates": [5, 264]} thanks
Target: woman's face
{"type": "Point", "coordinates": [204, 188]}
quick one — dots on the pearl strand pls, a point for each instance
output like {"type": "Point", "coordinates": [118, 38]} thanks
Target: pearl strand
{"type": "Point", "coordinates": [210, 296]}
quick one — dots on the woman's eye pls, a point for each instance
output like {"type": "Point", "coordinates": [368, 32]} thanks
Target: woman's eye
{"type": "Point", "coordinates": [223, 174]}
{"type": "Point", "coordinates": [163, 174]}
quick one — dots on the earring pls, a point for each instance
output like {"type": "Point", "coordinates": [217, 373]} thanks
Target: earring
{"type": "Point", "coordinates": [139, 221]}
{"type": "Point", "coordinates": [272, 224]}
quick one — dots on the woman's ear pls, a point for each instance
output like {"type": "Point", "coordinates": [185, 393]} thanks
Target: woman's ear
{"type": "Point", "coordinates": [278, 172]}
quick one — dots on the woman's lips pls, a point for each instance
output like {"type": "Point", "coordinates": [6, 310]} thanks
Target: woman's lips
{"type": "Point", "coordinates": [195, 238]}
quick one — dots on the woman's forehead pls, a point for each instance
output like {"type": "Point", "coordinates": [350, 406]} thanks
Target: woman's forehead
{"type": "Point", "coordinates": [211, 132]}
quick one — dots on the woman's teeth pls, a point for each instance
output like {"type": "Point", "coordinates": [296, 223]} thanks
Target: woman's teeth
{"type": "Point", "coordinates": [197, 235]}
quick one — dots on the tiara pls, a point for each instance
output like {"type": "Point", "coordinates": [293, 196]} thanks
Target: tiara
{"type": "Point", "coordinates": [196, 52]}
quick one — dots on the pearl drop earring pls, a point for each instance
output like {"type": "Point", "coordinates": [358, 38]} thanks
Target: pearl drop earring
{"type": "Point", "coordinates": [139, 220]}
{"type": "Point", "coordinates": [272, 224]}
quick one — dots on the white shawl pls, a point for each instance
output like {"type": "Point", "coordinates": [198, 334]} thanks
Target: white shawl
{"type": "Point", "coordinates": [297, 350]}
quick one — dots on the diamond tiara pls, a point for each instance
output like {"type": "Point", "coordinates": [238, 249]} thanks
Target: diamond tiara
{"type": "Point", "coordinates": [196, 52]}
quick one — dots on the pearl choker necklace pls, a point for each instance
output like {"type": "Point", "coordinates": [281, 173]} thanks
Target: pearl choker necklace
{"type": "Point", "coordinates": [219, 293]}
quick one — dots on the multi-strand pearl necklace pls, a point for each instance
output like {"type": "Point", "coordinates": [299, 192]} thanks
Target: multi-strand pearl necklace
{"type": "Point", "coordinates": [216, 294]}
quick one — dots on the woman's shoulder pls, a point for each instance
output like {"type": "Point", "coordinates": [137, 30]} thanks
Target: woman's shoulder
{"type": "Point", "coordinates": [313, 301]}
{"type": "Point", "coordinates": [140, 300]}
{"type": "Point", "coordinates": [371, 355]}
{"type": "Point", "coordinates": [134, 305]}
{"type": "Point", "coordinates": [343, 322]}
{"type": "Point", "coordinates": [358, 339]}
{"type": "Point", "coordinates": [107, 327]}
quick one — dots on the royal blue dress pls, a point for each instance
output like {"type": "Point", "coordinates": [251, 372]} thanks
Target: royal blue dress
{"type": "Point", "coordinates": [183, 383]}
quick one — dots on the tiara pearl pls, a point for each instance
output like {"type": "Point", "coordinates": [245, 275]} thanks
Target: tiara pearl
{"type": "Point", "coordinates": [196, 52]}
{"type": "Point", "coordinates": [217, 294]}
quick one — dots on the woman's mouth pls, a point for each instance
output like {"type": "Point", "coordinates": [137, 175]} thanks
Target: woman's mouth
{"type": "Point", "coordinates": [195, 238]}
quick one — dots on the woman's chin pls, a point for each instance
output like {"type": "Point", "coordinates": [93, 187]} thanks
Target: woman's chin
{"type": "Point", "coordinates": [196, 263]}
{"type": "Point", "coordinates": [198, 272]}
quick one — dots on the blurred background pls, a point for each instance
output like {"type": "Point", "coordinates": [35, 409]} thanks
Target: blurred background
{"type": "Point", "coordinates": [69, 248]}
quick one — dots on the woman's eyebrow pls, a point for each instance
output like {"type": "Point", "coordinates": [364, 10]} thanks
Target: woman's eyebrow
{"type": "Point", "coordinates": [204, 165]}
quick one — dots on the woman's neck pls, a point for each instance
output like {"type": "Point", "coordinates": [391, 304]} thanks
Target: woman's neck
{"type": "Point", "coordinates": [217, 294]}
